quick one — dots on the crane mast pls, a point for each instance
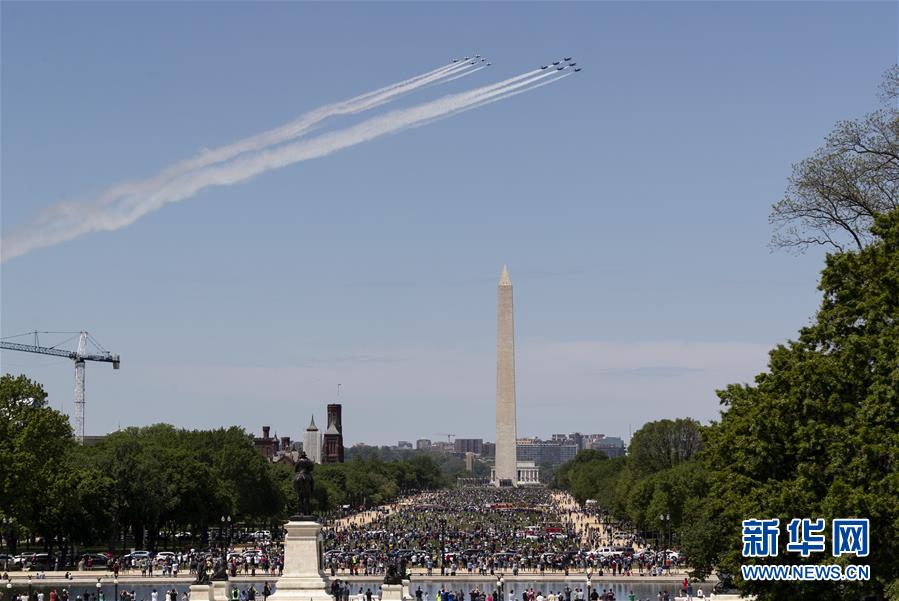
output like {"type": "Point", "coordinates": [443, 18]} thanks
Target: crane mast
{"type": "Point", "coordinates": [79, 356]}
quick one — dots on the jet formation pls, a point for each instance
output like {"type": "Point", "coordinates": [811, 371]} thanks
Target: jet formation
{"type": "Point", "coordinates": [563, 63]}
{"type": "Point", "coordinates": [473, 60]}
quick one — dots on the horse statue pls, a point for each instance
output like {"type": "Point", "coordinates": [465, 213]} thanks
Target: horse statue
{"type": "Point", "coordinates": [303, 483]}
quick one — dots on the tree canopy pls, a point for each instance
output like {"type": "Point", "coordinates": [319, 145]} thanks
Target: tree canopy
{"type": "Point", "coordinates": [834, 196]}
{"type": "Point", "coordinates": [818, 433]}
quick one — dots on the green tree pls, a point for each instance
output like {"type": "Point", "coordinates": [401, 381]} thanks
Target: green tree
{"type": "Point", "coordinates": [664, 444]}
{"type": "Point", "coordinates": [818, 433]}
{"type": "Point", "coordinates": [34, 443]}
{"type": "Point", "coordinates": [835, 195]}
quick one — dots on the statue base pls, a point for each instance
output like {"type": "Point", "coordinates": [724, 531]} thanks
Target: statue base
{"type": "Point", "coordinates": [302, 518]}
{"type": "Point", "coordinates": [302, 579]}
{"type": "Point", "coordinates": [214, 591]}
{"type": "Point", "coordinates": [396, 592]}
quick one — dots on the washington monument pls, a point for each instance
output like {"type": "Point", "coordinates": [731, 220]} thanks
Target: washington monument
{"type": "Point", "coordinates": [506, 473]}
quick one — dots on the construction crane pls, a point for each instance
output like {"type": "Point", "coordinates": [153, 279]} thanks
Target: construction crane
{"type": "Point", "coordinates": [448, 436]}
{"type": "Point", "coordinates": [79, 356]}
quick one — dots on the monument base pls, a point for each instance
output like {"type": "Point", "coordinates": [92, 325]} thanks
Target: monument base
{"type": "Point", "coordinates": [391, 592]}
{"type": "Point", "coordinates": [201, 592]}
{"type": "Point", "coordinates": [216, 590]}
{"type": "Point", "coordinates": [302, 579]}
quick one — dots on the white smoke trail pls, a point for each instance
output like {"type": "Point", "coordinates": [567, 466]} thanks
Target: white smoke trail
{"type": "Point", "coordinates": [278, 135]}
{"type": "Point", "coordinates": [455, 77]}
{"type": "Point", "coordinates": [76, 219]}
{"type": "Point", "coordinates": [504, 94]}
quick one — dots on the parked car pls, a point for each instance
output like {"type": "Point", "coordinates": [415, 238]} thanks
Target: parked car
{"type": "Point", "coordinates": [94, 560]}
{"type": "Point", "coordinates": [38, 561]}
{"type": "Point", "coordinates": [22, 558]}
{"type": "Point", "coordinates": [136, 556]}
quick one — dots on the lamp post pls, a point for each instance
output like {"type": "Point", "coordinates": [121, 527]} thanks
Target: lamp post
{"type": "Point", "coordinates": [226, 520]}
{"type": "Point", "coordinates": [442, 547]}
{"type": "Point", "coordinates": [501, 582]}
{"type": "Point", "coordinates": [116, 582]}
{"type": "Point", "coordinates": [665, 518]}
{"type": "Point", "coordinates": [7, 522]}
{"type": "Point", "coordinates": [99, 589]}
{"type": "Point", "coordinates": [29, 588]}
{"type": "Point", "coordinates": [588, 587]}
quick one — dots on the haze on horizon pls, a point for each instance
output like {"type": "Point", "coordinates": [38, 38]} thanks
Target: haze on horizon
{"type": "Point", "coordinates": [630, 204]}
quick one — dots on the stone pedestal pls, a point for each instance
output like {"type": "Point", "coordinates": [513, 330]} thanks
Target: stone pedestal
{"type": "Point", "coordinates": [200, 592]}
{"type": "Point", "coordinates": [214, 591]}
{"type": "Point", "coordinates": [391, 592]}
{"type": "Point", "coordinates": [219, 590]}
{"type": "Point", "coordinates": [303, 579]}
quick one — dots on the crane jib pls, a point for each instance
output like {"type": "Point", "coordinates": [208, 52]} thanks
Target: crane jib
{"type": "Point", "coordinates": [79, 357]}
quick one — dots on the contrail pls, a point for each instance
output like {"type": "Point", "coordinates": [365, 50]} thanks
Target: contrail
{"type": "Point", "coordinates": [504, 94]}
{"type": "Point", "coordinates": [278, 135]}
{"type": "Point", "coordinates": [469, 72]}
{"type": "Point", "coordinates": [70, 220]}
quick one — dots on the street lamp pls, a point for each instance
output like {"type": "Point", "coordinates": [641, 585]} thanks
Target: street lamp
{"type": "Point", "coordinates": [227, 546]}
{"type": "Point", "coordinates": [588, 587]}
{"type": "Point", "coordinates": [7, 522]}
{"type": "Point", "coordinates": [99, 589]}
{"type": "Point", "coordinates": [29, 588]}
{"type": "Point", "coordinates": [116, 582]}
{"type": "Point", "coordinates": [666, 518]}
{"type": "Point", "coordinates": [442, 547]}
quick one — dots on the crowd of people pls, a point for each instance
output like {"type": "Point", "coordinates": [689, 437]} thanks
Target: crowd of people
{"type": "Point", "coordinates": [265, 560]}
{"type": "Point", "coordinates": [481, 531]}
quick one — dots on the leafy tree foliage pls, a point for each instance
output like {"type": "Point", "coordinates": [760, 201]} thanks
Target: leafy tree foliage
{"type": "Point", "coordinates": [142, 483]}
{"type": "Point", "coordinates": [834, 196]}
{"type": "Point", "coordinates": [818, 433]}
{"type": "Point", "coordinates": [657, 488]}
{"type": "Point", "coordinates": [663, 444]}
{"type": "Point", "coordinates": [34, 439]}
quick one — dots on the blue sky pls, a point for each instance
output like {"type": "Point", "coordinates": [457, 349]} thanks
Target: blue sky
{"type": "Point", "coordinates": [630, 203]}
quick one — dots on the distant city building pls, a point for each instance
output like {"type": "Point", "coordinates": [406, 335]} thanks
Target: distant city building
{"type": "Point", "coordinates": [527, 474]}
{"type": "Point", "coordinates": [469, 461]}
{"type": "Point", "coordinates": [266, 445]}
{"type": "Point", "coordinates": [469, 445]}
{"type": "Point", "coordinates": [332, 447]}
{"type": "Point", "coordinates": [442, 446]}
{"type": "Point", "coordinates": [423, 444]}
{"type": "Point", "coordinates": [488, 449]}
{"type": "Point", "coordinates": [312, 442]}
{"type": "Point", "coordinates": [545, 451]}
{"type": "Point", "coordinates": [404, 444]}
{"type": "Point", "coordinates": [610, 445]}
